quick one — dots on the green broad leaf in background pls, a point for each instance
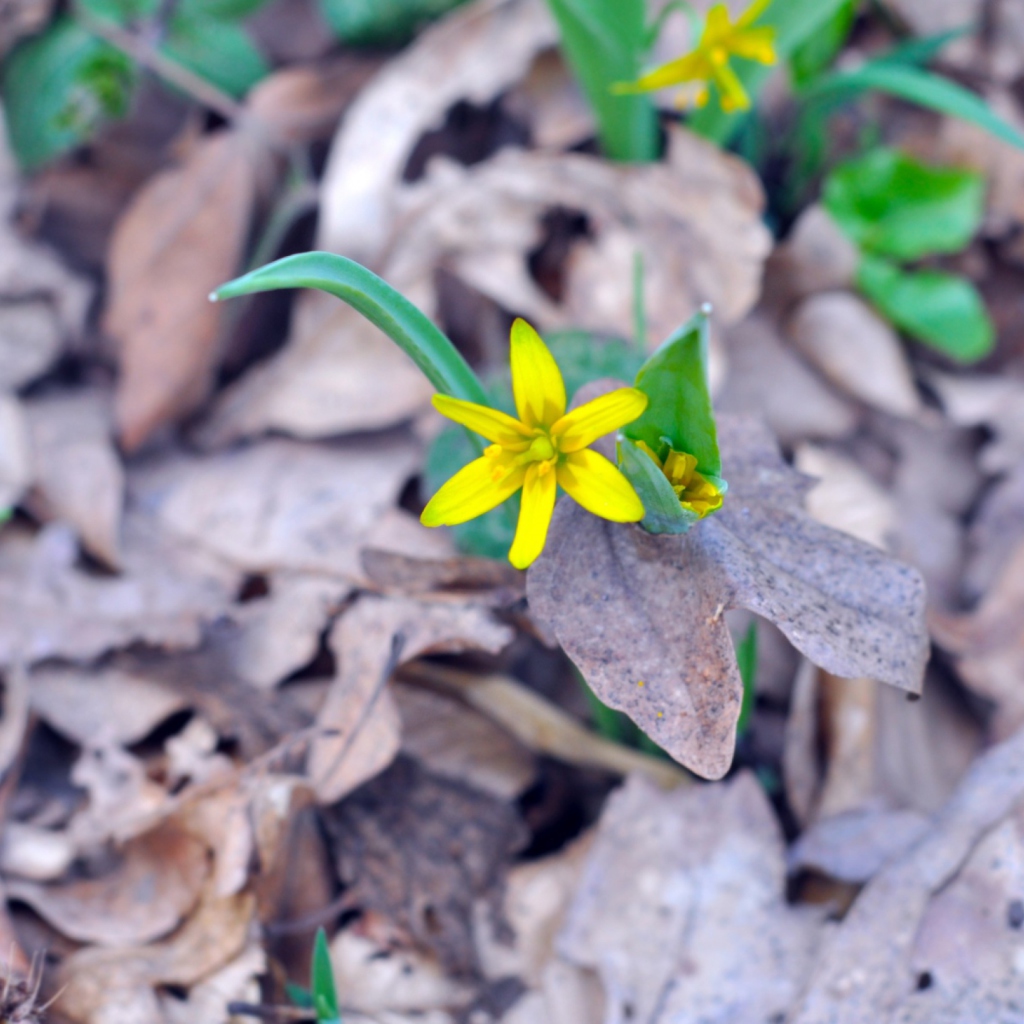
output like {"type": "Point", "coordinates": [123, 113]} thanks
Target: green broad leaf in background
{"type": "Point", "coordinates": [410, 329]}
{"type": "Point", "coordinates": [891, 205]}
{"type": "Point", "coordinates": [795, 22]}
{"type": "Point", "coordinates": [917, 86]}
{"type": "Point", "coordinates": [675, 380]}
{"type": "Point", "coordinates": [943, 310]}
{"type": "Point", "coordinates": [220, 10]}
{"type": "Point", "coordinates": [325, 997]}
{"type": "Point", "coordinates": [662, 511]}
{"type": "Point", "coordinates": [222, 52]}
{"type": "Point", "coordinates": [381, 22]}
{"type": "Point", "coordinates": [59, 87]}
{"type": "Point", "coordinates": [605, 42]}
{"type": "Point", "coordinates": [816, 53]}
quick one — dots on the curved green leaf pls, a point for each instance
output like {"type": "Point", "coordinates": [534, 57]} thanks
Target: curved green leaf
{"type": "Point", "coordinates": [325, 996]}
{"type": "Point", "coordinates": [374, 298]}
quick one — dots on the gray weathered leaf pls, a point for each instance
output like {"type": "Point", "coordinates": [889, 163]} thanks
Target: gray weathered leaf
{"type": "Point", "coordinates": [642, 616]}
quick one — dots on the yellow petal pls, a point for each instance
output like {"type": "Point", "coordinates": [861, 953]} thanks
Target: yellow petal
{"type": "Point", "coordinates": [717, 25]}
{"type": "Point", "coordinates": [491, 423]}
{"type": "Point", "coordinates": [536, 379]}
{"type": "Point", "coordinates": [599, 487]}
{"type": "Point", "coordinates": [752, 13]}
{"type": "Point", "coordinates": [539, 490]}
{"type": "Point", "coordinates": [732, 94]}
{"type": "Point", "coordinates": [690, 68]}
{"type": "Point", "coordinates": [755, 44]}
{"type": "Point", "coordinates": [473, 491]}
{"type": "Point", "coordinates": [583, 426]}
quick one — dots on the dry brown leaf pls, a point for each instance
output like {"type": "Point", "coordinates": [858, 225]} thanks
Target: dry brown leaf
{"type": "Point", "coordinates": [856, 350]}
{"type": "Point", "coordinates": [996, 530]}
{"type": "Point", "coordinates": [868, 968]}
{"type": "Point", "coordinates": [391, 570]}
{"type": "Point", "coordinates": [51, 608]}
{"type": "Point", "coordinates": [817, 256]}
{"type": "Point", "coordinates": [30, 340]}
{"type": "Point", "coordinates": [118, 986]}
{"type": "Point", "coordinates": [39, 854]}
{"type": "Point", "coordinates": [208, 1001]}
{"type": "Point", "coordinates": [681, 899]}
{"type": "Point", "coordinates": [370, 641]}
{"type": "Point", "coordinates": [797, 404]}
{"type": "Point", "coordinates": [20, 18]}
{"type": "Point", "coordinates": [78, 477]}
{"type": "Point", "coordinates": [179, 238]}
{"type": "Point", "coordinates": [153, 887]}
{"type": "Point", "coordinates": [455, 742]}
{"type": "Point", "coordinates": [642, 615]}
{"type": "Point", "coordinates": [15, 451]}
{"type": "Point", "coordinates": [282, 506]}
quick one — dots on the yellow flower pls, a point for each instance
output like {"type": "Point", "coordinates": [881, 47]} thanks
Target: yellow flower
{"type": "Point", "coordinates": [544, 447]}
{"type": "Point", "coordinates": [709, 61]}
{"type": "Point", "coordinates": [694, 491]}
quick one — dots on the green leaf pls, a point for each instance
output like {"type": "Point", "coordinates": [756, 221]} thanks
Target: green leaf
{"type": "Point", "coordinates": [891, 205]}
{"type": "Point", "coordinates": [220, 51]}
{"type": "Point", "coordinates": [121, 12]}
{"type": "Point", "coordinates": [381, 22]}
{"type": "Point", "coordinates": [325, 998]}
{"type": "Point", "coordinates": [794, 21]}
{"type": "Point", "coordinates": [941, 309]}
{"type": "Point", "coordinates": [921, 87]}
{"type": "Point", "coordinates": [605, 42]}
{"type": "Point", "coordinates": [746, 660]}
{"type": "Point", "coordinates": [300, 996]}
{"type": "Point", "coordinates": [224, 10]}
{"type": "Point", "coordinates": [817, 52]}
{"type": "Point", "coordinates": [374, 298]}
{"type": "Point", "coordinates": [662, 511]}
{"type": "Point", "coordinates": [679, 410]}
{"type": "Point", "coordinates": [59, 87]}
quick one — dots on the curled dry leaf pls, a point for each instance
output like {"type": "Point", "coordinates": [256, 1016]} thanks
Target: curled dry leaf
{"type": "Point", "coordinates": [78, 477]}
{"type": "Point", "coordinates": [154, 886]}
{"type": "Point", "coordinates": [869, 967]}
{"type": "Point", "coordinates": [856, 350]}
{"type": "Point", "coordinates": [15, 451]}
{"type": "Point", "coordinates": [682, 895]}
{"type": "Point", "coordinates": [49, 607]}
{"type": "Point", "coordinates": [817, 256]}
{"type": "Point", "coordinates": [642, 615]}
{"type": "Point", "coordinates": [370, 641]}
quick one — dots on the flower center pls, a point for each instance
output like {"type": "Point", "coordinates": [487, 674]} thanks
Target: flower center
{"type": "Point", "coordinates": [541, 449]}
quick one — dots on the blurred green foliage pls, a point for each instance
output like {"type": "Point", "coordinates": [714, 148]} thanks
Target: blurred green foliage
{"type": "Point", "coordinates": [381, 22]}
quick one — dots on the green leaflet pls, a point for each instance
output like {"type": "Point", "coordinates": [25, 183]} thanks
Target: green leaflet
{"type": "Point", "coordinates": [662, 511]}
{"type": "Point", "coordinates": [381, 22]}
{"type": "Point", "coordinates": [892, 205]}
{"type": "Point", "coordinates": [325, 997]}
{"type": "Point", "coordinates": [220, 51]}
{"type": "Point", "coordinates": [746, 661]}
{"type": "Point", "coordinates": [941, 309]}
{"type": "Point", "coordinates": [679, 409]}
{"type": "Point", "coordinates": [605, 42]}
{"type": "Point", "coordinates": [370, 295]}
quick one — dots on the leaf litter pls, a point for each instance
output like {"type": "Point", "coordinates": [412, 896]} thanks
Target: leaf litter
{"type": "Point", "coordinates": [246, 694]}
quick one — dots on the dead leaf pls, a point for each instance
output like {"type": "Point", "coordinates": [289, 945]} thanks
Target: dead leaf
{"type": "Point", "coordinates": [420, 850]}
{"type": "Point", "coordinates": [856, 350]}
{"type": "Point", "coordinates": [208, 1001]}
{"type": "Point", "coordinates": [682, 896]}
{"type": "Point", "coordinates": [39, 854]}
{"type": "Point", "coordinates": [153, 887]}
{"type": "Point", "coordinates": [996, 530]}
{"type": "Point", "coordinates": [51, 608]}
{"type": "Point", "coordinates": [392, 570]}
{"type": "Point", "coordinates": [370, 641]}
{"type": "Point", "coordinates": [15, 452]}
{"type": "Point", "coordinates": [866, 968]}
{"type": "Point", "coordinates": [179, 238]}
{"type": "Point", "coordinates": [816, 256]}
{"type": "Point", "coordinates": [30, 340]}
{"type": "Point", "coordinates": [78, 476]}
{"type": "Point", "coordinates": [798, 404]}
{"type": "Point", "coordinates": [604, 589]}
{"type": "Point", "coordinates": [20, 18]}
{"type": "Point", "coordinates": [282, 506]}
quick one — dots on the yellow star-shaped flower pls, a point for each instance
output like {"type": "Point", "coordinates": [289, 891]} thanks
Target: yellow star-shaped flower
{"type": "Point", "coordinates": [693, 490]}
{"type": "Point", "coordinates": [543, 448]}
{"type": "Point", "coordinates": [721, 40]}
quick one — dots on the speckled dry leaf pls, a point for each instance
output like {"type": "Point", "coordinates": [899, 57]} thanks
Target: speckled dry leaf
{"type": "Point", "coordinates": [208, 1002]}
{"type": "Point", "coordinates": [50, 607]}
{"type": "Point", "coordinates": [370, 641]}
{"type": "Point", "coordinates": [642, 615]}
{"type": "Point", "coordinates": [285, 506]}
{"type": "Point", "coordinates": [15, 451]}
{"type": "Point", "coordinates": [155, 884]}
{"type": "Point", "coordinates": [681, 907]}
{"type": "Point", "coordinates": [996, 529]}
{"type": "Point", "coordinates": [78, 477]}
{"type": "Point", "coordinates": [119, 986]}
{"type": "Point", "coordinates": [180, 237]}
{"type": "Point", "coordinates": [798, 404]}
{"type": "Point", "coordinates": [817, 256]}
{"type": "Point", "coordinates": [989, 645]}
{"type": "Point", "coordinates": [856, 350]}
{"type": "Point", "coordinates": [869, 967]}
{"type": "Point", "coordinates": [95, 707]}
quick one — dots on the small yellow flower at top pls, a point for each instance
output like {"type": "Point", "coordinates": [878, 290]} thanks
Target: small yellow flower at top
{"type": "Point", "coordinates": [694, 491]}
{"type": "Point", "coordinates": [708, 62]}
{"type": "Point", "coordinates": [543, 448]}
